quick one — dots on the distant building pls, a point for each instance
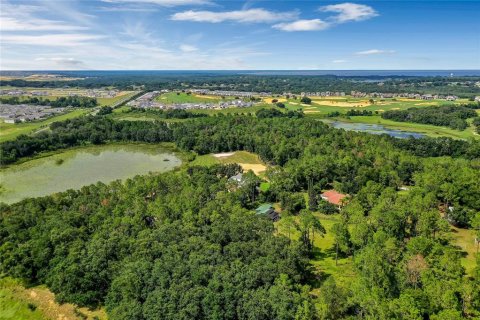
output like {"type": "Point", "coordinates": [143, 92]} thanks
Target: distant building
{"type": "Point", "coordinates": [238, 178]}
{"type": "Point", "coordinates": [333, 197]}
{"type": "Point", "coordinates": [266, 210]}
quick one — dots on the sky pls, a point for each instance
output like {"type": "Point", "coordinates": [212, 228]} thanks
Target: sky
{"type": "Point", "coordinates": [239, 35]}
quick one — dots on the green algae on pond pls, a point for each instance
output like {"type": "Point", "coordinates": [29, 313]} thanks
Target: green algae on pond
{"type": "Point", "coordinates": [73, 169]}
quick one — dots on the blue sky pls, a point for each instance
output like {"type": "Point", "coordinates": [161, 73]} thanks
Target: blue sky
{"type": "Point", "coordinates": [215, 34]}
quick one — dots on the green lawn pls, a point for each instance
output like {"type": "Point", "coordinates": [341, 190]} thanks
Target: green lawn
{"type": "Point", "coordinates": [9, 131]}
{"type": "Point", "coordinates": [14, 308]}
{"type": "Point", "coordinates": [236, 157]}
{"type": "Point", "coordinates": [181, 97]}
{"type": "Point", "coordinates": [464, 239]}
{"type": "Point", "coordinates": [429, 130]}
{"type": "Point", "coordinates": [38, 303]}
{"type": "Point", "coordinates": [323, 106]}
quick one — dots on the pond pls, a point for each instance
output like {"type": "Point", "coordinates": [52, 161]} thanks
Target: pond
{"type": "Point", "coordinates": [373, 129]}
{"type": "Point", "coordinates": [75, 168]}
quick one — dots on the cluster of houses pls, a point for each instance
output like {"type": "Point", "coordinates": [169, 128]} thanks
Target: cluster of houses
{"type": "Point", "coordinates": [359, 94]}
{"type": "Point", "coordinates": [91, 93]}
{"type": "Point", "coordinates": [24, 112]}
{"type": "Point", "coordinates": [147, 100]}
{"type": "Point", "coordinates": [320, 94]}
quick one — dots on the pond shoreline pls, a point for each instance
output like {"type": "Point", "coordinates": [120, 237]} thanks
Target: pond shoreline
{"type": "Point", "coordinates": [76, 167]}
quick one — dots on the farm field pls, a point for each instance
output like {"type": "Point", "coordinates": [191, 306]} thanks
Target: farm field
{"type": "Point", "coordinates": [429, 130]}
{"type": "Point", "coordinates": [9, 131]}
{"type": "Point", "coordinates": [38, 303]}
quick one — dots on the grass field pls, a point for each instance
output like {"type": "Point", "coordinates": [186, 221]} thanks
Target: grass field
{"type": "Point", "coordinates": [464, 239]}
{"type": "Point", "coordinates": [9, 131]}
{"type": "Point", "coordinates": [429, 130]}
{"type": "Point", "coordinates": [247, 160]}
{"type": "Point", "coordinates": [38, 303]}
{"type": "Point", "coordinates": [323, 106]}
{"type": "Point", "coordinates": [181, 97]}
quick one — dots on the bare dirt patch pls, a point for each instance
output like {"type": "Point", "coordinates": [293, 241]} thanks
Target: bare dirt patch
{"type": "Point", "coordinates": [342, 104]}
{"type": "Point", "coordinates": [256, 168]}
{"type": "Point", "coordinates": [223, 155]}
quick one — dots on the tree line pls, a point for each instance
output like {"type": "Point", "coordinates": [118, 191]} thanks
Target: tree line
{"type": "Point", "coordinates": [451, 116]}
{"type": "Point", "coordinates": [61, 102]}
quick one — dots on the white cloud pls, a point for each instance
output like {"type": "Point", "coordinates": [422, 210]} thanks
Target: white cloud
{"type": "Point", "coordinates": [350, 12]}
{"type": "Point", "coordinates": [374, 51]}
{"type": "Point", "coordinates": [188, 48]}
{"type": "Point", "coordinates": [339, 61]}
{"type": "Point", "coordinates": [22, 18]}
{"type": "Point", "coordinates": [164, 3]}
{"type": "Point", "coordinates": [303, 25]}
{"type": "Point", "coordinates": [244, 16]}
{"type": "Point", "coordinates": [69, 62]}
{"type": "Point", "coordinates": [55, 40]}
{"type": "Point", "coordinates": [13, 24]}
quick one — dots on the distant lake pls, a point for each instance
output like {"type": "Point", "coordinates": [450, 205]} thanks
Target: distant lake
{"type": "Point", "coordinates": [373, 129]}
{"type": "Point", "coordinates": [73, 169]}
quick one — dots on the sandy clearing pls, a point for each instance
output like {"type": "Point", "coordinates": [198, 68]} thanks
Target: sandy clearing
{"type": "Point", "coordinates": [342, 104]}
{"type": "Point", "coordinates": [223, 155]}
{"type": "Point", "coordinates": [380, 110]}
{"type": "Point", "coordinates": [270, 100]}
{"type": "Point", "coordinates": [206, 97]}
{"type": "Point", "coordinates": [256, 168]}
{"type": "Point", "coordinates": [311, 111]}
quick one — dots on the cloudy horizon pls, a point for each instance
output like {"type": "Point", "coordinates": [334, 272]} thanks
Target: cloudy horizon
{"type": "Point", "coordinates": [238, 35]}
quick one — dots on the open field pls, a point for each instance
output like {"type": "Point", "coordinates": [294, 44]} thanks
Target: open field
{"type": "Point", "coordinates": [323, 106]}
{"type": "Point", "coordinates": [53, 94]}
{"type": "Point", "coordinates": [465, 240]}
{"type": "Point", "coordinates": [9, 131]}
{"type": "Point", "coordinates": [429, 130]}
{"type": "Point", "coordinates": [247, 160]}
{"type": "Point", "coordinates": [181, 97]}
{"type": "Point", "coordinates": [38, 303]}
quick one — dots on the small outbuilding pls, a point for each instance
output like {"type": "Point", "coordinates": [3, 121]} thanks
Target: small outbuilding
{"type": "Point", "coordinates": [267, 210]}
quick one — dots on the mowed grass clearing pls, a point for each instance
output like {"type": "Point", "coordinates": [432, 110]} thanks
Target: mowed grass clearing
{"type": "Point", "coordinates": [247, 160]}
{"type": "Point", "coordinates": [182, 97]}
{"type": "Point", "coordinates": [326, 105]}
{"type": "Point", "coordinates": [9, 131]}
{"type": "Point", "coordinates": [464, 239]}
{"type": "Point", "coordinates": [38, 303]}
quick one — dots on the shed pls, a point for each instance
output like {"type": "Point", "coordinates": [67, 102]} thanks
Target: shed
{"type": "Point", "coordinates": [268, 211]}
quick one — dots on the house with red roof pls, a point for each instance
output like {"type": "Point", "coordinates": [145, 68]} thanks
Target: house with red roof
{"type": "Point", "coordinates": [334, 197]}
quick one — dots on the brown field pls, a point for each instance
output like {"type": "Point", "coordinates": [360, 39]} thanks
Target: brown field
{"type": "Point", "coordinates": [343, 104]}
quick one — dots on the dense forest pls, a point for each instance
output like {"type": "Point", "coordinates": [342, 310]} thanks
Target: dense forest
{"type": "Point", "coordinates": [464, 87]}
{"type": "Point", "coordinates": [182, 245]}
{"type": "Point", "coordinates": [61, 102]}
{"type": "Point", "coordinates": [449, 116]}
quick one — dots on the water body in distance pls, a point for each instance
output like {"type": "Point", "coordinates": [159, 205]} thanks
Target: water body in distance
{"type": "Point", "coordinates": [73, 169]}
{"type": "Point", "coordinates": [374, 129]}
